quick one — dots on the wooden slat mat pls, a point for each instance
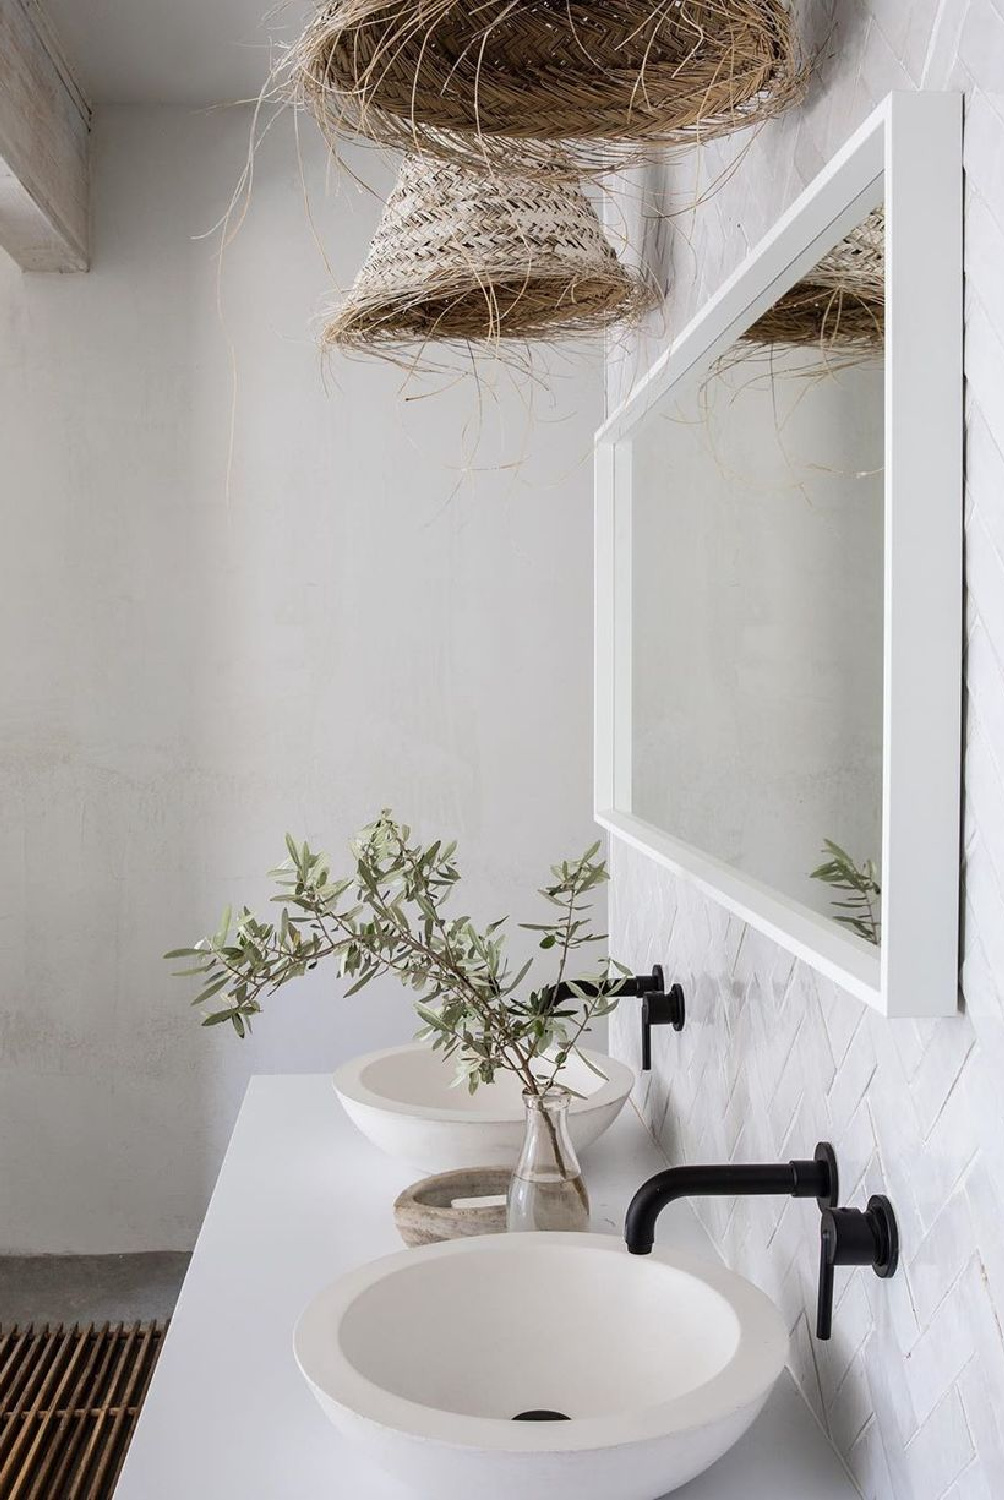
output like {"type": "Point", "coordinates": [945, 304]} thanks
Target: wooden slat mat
{"type": "Point", "coordinates": [69, 1399]}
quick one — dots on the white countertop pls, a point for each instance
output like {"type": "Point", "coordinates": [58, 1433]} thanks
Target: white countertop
{"type": "Point", "coordinates": [301, 1197]}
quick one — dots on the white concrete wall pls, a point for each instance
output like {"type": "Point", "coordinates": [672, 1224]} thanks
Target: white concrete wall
{"type": "Point", "coordinates": [911, 1387]}
{"type": "Point", "coordinates": [378, 614]}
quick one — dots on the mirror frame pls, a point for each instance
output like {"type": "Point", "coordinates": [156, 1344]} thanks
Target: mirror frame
{"type": "Point", "coordinates": [907, 156]}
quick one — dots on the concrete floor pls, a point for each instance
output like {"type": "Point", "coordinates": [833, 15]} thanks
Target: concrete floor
{"type": "Point", "coordinates": [89, 1288]}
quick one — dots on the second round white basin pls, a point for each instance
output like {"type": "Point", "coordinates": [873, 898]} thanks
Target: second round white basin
{"type": "Point", "coordinates": [628, 1374]}
{"type": "Point", "coordinates": [403, 1100]}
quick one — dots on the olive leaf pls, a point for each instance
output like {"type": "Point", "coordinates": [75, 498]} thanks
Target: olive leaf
{"type": "Point", "coordinates": [860, 907]}
{"type": "Point", "coordinates": [388, 917]}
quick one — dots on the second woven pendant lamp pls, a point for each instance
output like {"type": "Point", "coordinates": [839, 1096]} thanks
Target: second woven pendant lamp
{"type": "Point", "coordinates": [481, 257]}
{"type": "Point", "coordinates": [602, 79]}
{"type": "Point", "coordinates": [839, 306]}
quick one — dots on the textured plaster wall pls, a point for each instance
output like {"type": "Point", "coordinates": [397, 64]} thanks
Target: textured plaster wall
{"type": "Point", "coordinates": [911, 1388]}
{"type": "Point", "coordinates": [378, 613]}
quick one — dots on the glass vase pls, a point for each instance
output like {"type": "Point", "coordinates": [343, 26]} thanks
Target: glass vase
{"type": "Point", "coordinates": [547, 1190]}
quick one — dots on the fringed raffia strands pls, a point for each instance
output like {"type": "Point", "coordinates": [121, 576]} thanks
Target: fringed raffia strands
{"type": "Point", "coordinates": [480, 257]}
{"type": "Point", "coordinates": [487, 80]}
{"type": "Point", "coordinates": [840, 306]}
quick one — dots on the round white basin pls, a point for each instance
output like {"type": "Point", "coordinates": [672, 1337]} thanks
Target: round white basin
{"type": "Point", "coordinates": [659, 1363]}
{"type": "Point", "coordinates": [403, 1100]}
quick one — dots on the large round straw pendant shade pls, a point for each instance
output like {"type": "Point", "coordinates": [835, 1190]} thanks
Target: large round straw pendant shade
{"type": "Point", "coordinates": [840, 305]}
{"type": "Point", "coordinates": [466, 78]}
{"type": "Point", "coordinates": [460, 255]}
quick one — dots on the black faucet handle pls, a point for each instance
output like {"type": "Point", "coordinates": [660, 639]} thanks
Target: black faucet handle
{"type": "Point", "coordinates": [854, 1237]}
{"type": "Point", "coordinates": [827, 1261]}
{"type": "Point", "coordinates": [659, 1008]}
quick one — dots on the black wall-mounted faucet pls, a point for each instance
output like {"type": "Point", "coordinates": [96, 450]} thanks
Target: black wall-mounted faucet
{"type": "Point", "coordinates": [657, 1007]}
{"type": "Point", "coordinates": [794, 1179]}
{"type": "Point", "coordinates": [848, 1236]}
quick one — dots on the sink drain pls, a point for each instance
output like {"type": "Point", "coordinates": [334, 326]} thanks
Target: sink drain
{"type": "Point", "coordinates": [541, 1416]}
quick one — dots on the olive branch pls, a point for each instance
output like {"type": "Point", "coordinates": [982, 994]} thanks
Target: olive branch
{"type": "Point", "coordinates": [388, 917]}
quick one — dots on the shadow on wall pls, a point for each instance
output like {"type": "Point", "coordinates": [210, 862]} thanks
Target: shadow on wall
{"type": "Point", "coordinates": [370, 617]}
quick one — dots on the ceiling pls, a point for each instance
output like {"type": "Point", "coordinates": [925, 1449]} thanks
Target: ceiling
{"type": "Point", "coordinates": [192, 52]}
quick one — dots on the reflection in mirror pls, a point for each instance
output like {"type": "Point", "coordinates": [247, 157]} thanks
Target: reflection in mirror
{"type": "Point", "coordinates": [757, 589]}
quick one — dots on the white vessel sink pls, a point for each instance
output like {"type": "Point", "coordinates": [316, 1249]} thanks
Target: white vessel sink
{"type": "Point", "coordinates": [424, 1358]}
{"type": "Point", "coordinates": [403, 1100]}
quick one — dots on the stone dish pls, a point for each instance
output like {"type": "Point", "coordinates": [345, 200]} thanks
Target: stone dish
{"type": "Point", "coordinates": [426, 1212]}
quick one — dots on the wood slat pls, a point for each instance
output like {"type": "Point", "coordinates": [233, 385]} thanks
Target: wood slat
{"type": "Point", "coordinates": [69, 1400]}
{"type": "Point", "coordinates": [44, 147]}
{"type": "Point", "coordinates": [111, 1453]}
{"type": "Point", "coordinates": [46, 1468]}
{"type": "Point", "coordinates": [78, 1429]}
{"type": "Point", "coordinates": [12, 1346]}
{"type": "Point", "coordinates": [16, 1461]}
{"type": "Point", "coordinates": [30, 1384]}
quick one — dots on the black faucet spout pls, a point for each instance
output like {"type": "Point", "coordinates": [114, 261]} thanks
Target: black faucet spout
{"type": "Point", "coordinates": [795, 1179]}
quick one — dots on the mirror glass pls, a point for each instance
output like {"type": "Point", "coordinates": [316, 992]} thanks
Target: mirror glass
{"type": "Point", "coordinates": [757, 589]}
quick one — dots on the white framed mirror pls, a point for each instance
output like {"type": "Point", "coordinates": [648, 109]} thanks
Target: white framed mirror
{"type": "Point", "coordinates": [779, 577]}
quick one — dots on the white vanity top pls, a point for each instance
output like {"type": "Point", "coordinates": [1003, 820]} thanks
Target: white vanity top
{"type": "Point", "coordinates": [301, 1197]}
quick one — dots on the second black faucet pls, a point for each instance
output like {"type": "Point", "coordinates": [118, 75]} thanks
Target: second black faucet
{"type": "Point", "coordinates": [848, 1236]}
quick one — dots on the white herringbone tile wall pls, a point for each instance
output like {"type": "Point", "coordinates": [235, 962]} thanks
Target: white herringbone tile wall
{"type": "Point", "coordinates": [911, 1387]}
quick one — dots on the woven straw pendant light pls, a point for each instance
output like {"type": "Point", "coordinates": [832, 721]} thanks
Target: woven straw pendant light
{"type": "Point", "coordinates": [484, 256]}
{"type": "Point", "coordinates": [471, 79]}
{"type": "Point", "coordinates": [840, 305]}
